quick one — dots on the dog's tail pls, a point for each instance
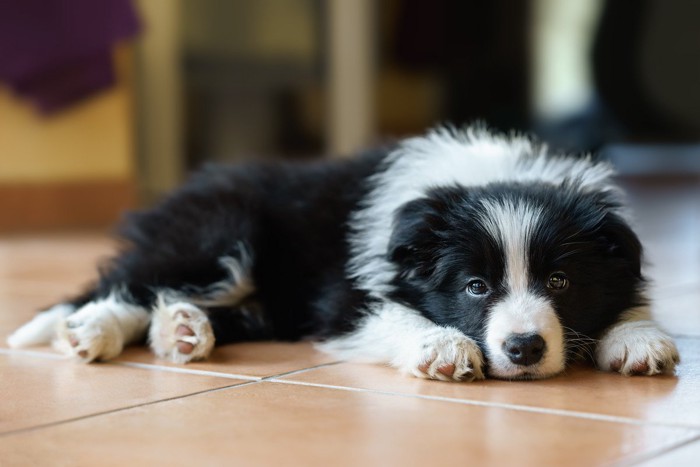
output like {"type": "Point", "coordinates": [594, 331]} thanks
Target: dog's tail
{"type": "Point", "coordinates": [42, 329]}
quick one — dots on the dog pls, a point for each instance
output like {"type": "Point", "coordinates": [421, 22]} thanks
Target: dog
{"type": "Point", "coordinates": [457, 255]}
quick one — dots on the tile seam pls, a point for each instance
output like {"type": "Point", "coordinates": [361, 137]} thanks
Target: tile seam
{"type": "Point", "coordinates": [32, 353]}
{"type": "Point", "coordinates": [157, 367]}
{"type": "Point", "coordinates": [299, 371]}
{"type": "Point", "coordinates": [122, 409]}
{"type": "Point", "coordinates": [501, 405]}
{"type": "Point", "coordinates": [188, 371]}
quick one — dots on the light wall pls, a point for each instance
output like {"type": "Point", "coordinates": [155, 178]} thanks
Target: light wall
{"type": "Point", "coordinates": [73, 169]}
{"type": "Point", "coordinates": [93, 140]}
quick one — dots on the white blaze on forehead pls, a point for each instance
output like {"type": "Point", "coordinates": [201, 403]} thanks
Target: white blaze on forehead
{"type": "Point", "coordinates": [512, 225]}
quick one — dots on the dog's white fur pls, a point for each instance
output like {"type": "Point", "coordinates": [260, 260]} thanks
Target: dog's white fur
{"type": "Point", "coordinates": [404, 339]}
{"type": "Point", "coordinates": [521, 312]}
{"type": "Point", "coordinates": [100, 329]}
{"type": "Point", "coordinates": [636, 345]}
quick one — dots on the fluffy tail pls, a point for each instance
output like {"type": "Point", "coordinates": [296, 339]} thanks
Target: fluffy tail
{"type": "Point", "coordinates": [41, 329]}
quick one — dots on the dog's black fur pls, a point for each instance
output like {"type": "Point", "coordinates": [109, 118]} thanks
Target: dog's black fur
{"type": "Point", "coordinates": [292, 219]}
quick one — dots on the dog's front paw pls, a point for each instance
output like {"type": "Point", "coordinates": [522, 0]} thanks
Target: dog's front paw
{"type": "Point", "coordinates": [181, 333]}
{"type": "Point", "coordinates": [92, 333]}
{"type": "Point", "coordinates": [447, 355]}
{"type": "Point", "coordinates": [637, 348]}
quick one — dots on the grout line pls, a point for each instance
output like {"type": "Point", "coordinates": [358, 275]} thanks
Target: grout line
{"type": "Point", "coordinates": [33, 353]}
{"type": "Point", "coordinates": [215, 373]}
{"type": "Point", "coordinates": [654, 454]}
{"type": "Point", "coordinates": [500, 405]}
{"type": "Point", "coordinates": [190, 371]}
{"type": "Point", "coordinates": [156, 367]}
{"type": "Point", "coordinates": [122, 409]}
{"type": "Point", "coordinates": [302, 370]}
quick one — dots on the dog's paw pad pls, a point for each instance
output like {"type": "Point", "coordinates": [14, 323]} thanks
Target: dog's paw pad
{"type": "Point", "coordinates": [447, 370]}
{"type": "Point", "coordinates": [185, 345]}
{"type": "Point", "coordinates": [181, 333]}
{"type": "Point", "coordinates": [449, 357]}
{"type": "Point", "coordinates": [637, 348]}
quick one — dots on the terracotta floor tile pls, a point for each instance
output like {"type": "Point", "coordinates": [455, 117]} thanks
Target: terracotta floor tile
{"type": "Point", "coordinates": [36, 391]}
{"type": "Point", "coordinates": [37, 271]}
{"type": "Point", "coordinates": [255, 359]}
{"type": "Point", "coordinates": [660, 399]}
{"type": "Point", "coordinates": [275, 424]}
{"type": "Point", "coordinates": [53, 257]}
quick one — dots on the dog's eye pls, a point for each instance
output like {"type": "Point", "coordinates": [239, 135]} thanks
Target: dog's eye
{"type": "Point", "coordinates": [558, 281]}
{"type": "Point", "coordinates": [477, 287]}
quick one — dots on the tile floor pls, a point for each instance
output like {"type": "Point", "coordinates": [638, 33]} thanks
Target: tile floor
{"type": "Point", "coordinates": [286, 404]}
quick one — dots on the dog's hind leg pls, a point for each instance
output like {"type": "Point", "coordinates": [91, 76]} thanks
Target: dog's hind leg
{"type": "Point", "coordinates": [182, 331]}
{"type": "Point", "coordinates": [42, 328]}
{"type": "Point", "coordinates": [88, 327]}
{"type": "Point", "coordinates": [119, 311]}
{"type": "Point", "coordinates": [188, 320]}
{"type": "Point", "coordinates": [192, 249]}
{"type": "Point", "coordinates": [101, 328]}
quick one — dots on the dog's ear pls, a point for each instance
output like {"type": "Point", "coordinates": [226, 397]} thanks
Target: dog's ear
{"type": "Point", "coordinates": [621, 242]}
{"type": "Point", "coordinates": [415, 237]}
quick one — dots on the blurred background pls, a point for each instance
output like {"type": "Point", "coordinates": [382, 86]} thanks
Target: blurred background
{"type": "Point", "coordinates": [104, 106]}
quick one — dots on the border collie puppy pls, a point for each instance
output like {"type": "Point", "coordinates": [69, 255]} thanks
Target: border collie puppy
{"type": "Point", "coordinates": [454, 256]}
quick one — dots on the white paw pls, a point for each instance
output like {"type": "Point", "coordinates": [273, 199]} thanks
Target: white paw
{"type": "Point", "coordinates": [91, 333]}
{"type": "Point", "coordinates": [447, 355]}
{"type": "Point", "coordinates": [181, 332]}
{"type": "Point", "coordinates": [637, 348]}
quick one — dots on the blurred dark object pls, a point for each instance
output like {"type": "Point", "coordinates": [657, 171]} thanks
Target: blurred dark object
{"type": "Point", "coordinates": [55, 53]}
{"type": "Point", "coordinates": [481, 50]}
{"type": "Point", "coordinates": [655, 160]}
{"type": "Point", "coordinates": [251, 75]}
{"type": "Point", "coordinates": [646, 62]}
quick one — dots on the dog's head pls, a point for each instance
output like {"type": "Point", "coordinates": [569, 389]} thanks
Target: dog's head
{"type": "Point", "coordinates": [531, 271]}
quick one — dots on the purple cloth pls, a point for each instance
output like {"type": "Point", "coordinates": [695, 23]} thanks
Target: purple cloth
{"type": "Point", "coordinates": [56, 52]}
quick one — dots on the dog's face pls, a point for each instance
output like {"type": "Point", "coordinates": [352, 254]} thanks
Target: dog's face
{"type": "Point", "coordinates": [531, 272]}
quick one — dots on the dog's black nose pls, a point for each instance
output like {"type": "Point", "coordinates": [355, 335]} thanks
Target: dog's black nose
{"type": "Point", "coordinates": [524, 349]}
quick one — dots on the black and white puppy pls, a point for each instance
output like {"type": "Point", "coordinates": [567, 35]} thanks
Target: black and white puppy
{"type": "Point", "coordinates": [454, 256]}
